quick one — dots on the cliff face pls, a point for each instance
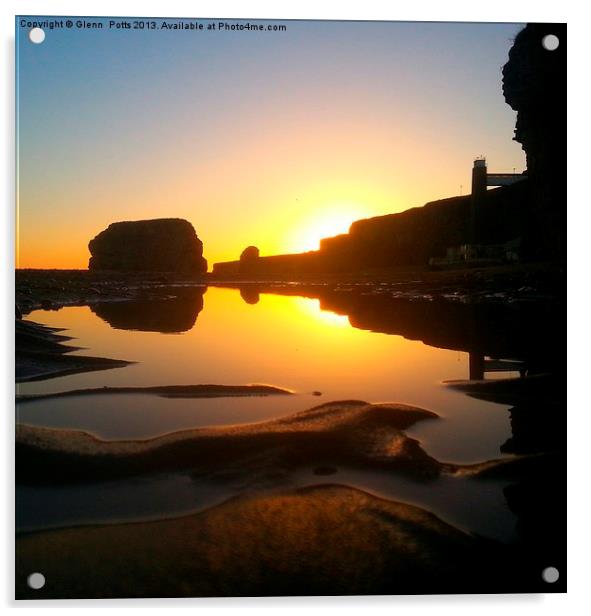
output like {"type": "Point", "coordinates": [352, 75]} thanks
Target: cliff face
{"type": "Point", "coordinates": [161, 245]}
{"type": "Point", "coordinates": [407, 238]}
{"type": "Point", "coordinates": [533, 210]}
{"type": "Point", "coordinates": [413, 236]}
{"type": "Point", "coordinates": [534, 85]}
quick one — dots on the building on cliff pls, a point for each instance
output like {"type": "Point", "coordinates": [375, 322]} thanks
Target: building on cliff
{"type": "Point", "coordinates": [477, 251]}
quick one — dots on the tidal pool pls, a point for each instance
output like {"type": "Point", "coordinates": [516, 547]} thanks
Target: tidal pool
{"type": "Point", "coordinates": [225, 336]}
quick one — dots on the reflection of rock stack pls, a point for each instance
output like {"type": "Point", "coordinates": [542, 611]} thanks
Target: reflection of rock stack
{"type": "Point", "coordinates": [250, 296]}
{"type": "Point", "coordinates": [166, 315]}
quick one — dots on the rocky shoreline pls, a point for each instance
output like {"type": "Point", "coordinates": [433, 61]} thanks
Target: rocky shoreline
{"type": "Point", "coordinates": [53, 289]}
{"type": "Point", "coordinates": [41, 353]}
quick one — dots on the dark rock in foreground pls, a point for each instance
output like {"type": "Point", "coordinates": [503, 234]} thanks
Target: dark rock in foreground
{"type": "Point", "coordinates": [41, 354]}
{"type": "Point", "coordinates": [161, 245]}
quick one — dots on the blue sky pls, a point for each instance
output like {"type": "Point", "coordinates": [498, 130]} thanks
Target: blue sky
{"type": "Point", "coordinates": [266, 137]}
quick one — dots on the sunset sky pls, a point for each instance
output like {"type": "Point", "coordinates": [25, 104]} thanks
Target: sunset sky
{"type": "Point", "coordinates": [268, 138]}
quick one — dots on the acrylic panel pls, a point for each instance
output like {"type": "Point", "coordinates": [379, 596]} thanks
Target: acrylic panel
{"type": "Point", "coordinates": [290, 307]}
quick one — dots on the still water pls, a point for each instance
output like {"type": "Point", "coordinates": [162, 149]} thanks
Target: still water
{"type": "Point", "coordinates": [287, 341]}
{"type": "Point", "coordinates": [229, 337]}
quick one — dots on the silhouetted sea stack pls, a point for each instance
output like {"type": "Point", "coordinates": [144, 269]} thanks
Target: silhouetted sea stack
{"type": "Point", "coordinates": [249, 259]}
{"type": "Point", "coordinates": [161, 245]}
{"type": "Point", "coordinates": [250, 253]}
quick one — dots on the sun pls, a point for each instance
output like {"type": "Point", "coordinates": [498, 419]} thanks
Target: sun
{"type": "Point", "coordinates": [327, 221]}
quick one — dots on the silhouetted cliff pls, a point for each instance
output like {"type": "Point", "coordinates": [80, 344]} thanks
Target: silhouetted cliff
{"type": "Point", "coordinates": [534, 85]}
{"type": "Point", "coordinates": [531, 212]}
{"type": "Point", "coordinates": [406, 238]}
{"type": "Point", "coordinates": [161, 245]}
{"type": "Point", "coordinates": [500, 325]}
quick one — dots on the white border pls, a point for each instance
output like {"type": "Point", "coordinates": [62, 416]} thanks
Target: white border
{"type": "Point", "coordinates": [577, 600]}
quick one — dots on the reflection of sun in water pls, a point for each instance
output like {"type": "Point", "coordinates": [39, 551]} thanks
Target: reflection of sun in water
{"type": "Point", "coordinates": [326, 221]}
{"type": "Point", "coordinates": [311, 307]}
{"type": "Point", "coordinates": [332, 318]}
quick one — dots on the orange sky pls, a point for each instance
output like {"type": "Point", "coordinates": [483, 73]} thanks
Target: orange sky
{"type": "Point", "coordinates": [275, 142]}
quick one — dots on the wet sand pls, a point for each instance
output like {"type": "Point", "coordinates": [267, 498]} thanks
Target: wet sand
{"type": "Point", "coordinates": [326, 540]}
{"type": "Point", "coordinates": [168, 391]}
{"type": "Point", "coordinates": [323, 539]}
{"type": "Point", "coordinates": [347, 432]}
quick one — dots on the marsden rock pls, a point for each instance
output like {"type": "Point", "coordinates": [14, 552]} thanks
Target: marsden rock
{"type": "Point", "coordinates": [161, 245]}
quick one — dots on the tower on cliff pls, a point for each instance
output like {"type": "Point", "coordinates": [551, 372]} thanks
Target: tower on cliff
{"type": "Point", "coordinates": [479, 183]}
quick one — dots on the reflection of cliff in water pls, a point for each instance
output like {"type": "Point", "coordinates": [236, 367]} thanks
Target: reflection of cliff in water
{"type": "Point", "coordinates": [168, 315]}
{"type": "Point", "coordinates": [529, 331]}
{"type": "Point", "coordinates": [532, 331]}
{"type": "Point", "coordinates": [526, 331]}
{"type": "Point", "coordinates": [537, 492]}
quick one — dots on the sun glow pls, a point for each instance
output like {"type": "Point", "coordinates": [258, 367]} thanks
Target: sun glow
{"type": "Point", "coordinates": [332, 318]}
{"type": "Point", "coordinates": [326, 222]}
{"type": "Point", "coordinates": [311, 308]}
